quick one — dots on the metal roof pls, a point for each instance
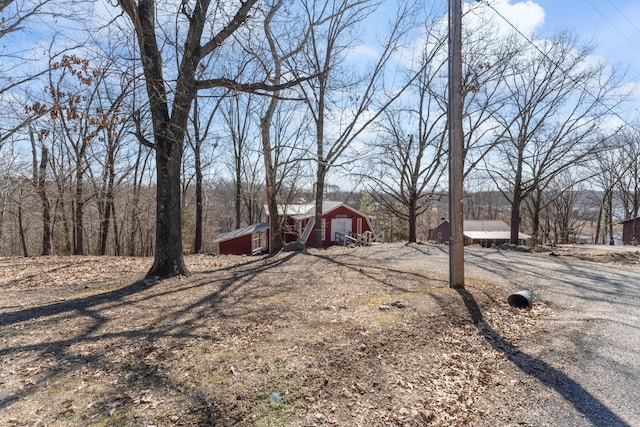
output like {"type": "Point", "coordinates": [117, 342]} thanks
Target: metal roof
{"type": "Point", "coordinates": [485, 225]}
{"type": "Point", "coordinates": [233, 234]}
{"type": "Point", "coordinates": [487, 230]}
{"type": "Point", "coordinates": [305, 210]}
{"type": "Point", "coordinates": [492, 235]}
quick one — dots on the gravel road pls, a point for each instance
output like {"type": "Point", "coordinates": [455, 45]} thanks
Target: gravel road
{"type": "Point", "coordinates": [585, 371]}
{"type": "Point", "coordinates": [590, 362]}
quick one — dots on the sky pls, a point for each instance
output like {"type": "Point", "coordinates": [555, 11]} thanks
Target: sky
{"type": "Point", "coordinates": [612, 25]}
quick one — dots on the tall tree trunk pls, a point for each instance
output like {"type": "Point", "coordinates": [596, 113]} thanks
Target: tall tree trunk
{"type": "Point", "coordinates": [318, 230]}
{"type": "Point", "coordinates": [104, 228]}
{"type": "Point", "coordinates": [238, 195]}
{"type": "Point", "coordinates": [275, 238]}
{"type": "Point", "coordinates": [61, 214]}
{"type": "Point", "coordinates": [78, 226]}
{"type": "Point", "coordinates": [116, 233]}
{"type": "Point", "coordinates": [40, 182]}
{"type": "Point", "coordinates": [23, 240]}
{"type": "Point", "coordinates": [2, 208]}
{"type": "Point", "coordinates": [596, 240]}
{"type": "Point", "coordinates": [547, 230]}
{"type": "Point", "coordinates": [46, 205]}
{"type": "Point", "coordinates": [68, 238]}
{"type": "Point", "coordinates": [169, 259]}
{"type": "Point", "coordinates": [105, 221]}
{"type": "Point", "coordinates": [169, 127]}
{"type": "Point", "coordinates": [610, 218]}
{"type": "Point", "coordinates": [197, 244]}
{"type": "Point", "coordinates": [535, 215]}
{"type": "Point", "coordinates": [412, 218]}
{"type": "Point", "coordinates": [516, 205]}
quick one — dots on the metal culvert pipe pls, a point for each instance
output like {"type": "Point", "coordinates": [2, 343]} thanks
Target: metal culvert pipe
{"type": "Point", "coordinates": [520, 299]}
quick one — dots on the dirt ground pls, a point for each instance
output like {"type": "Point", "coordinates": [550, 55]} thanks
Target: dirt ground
{"type": "Point", "coordinates": [345, 337]}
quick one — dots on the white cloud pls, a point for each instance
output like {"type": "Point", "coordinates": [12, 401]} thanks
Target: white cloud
{"type": "Point", "coordinates": [526, 16]}
{"type": "Point", "coordinates": [362, 53]}
{"type": "Point", "coordinates": [503, 15]}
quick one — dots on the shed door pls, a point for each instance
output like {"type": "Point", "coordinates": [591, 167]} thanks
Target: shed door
{"type": "Point", "coordinates": [340, 225]}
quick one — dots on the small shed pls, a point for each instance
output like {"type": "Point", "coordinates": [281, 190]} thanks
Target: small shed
{"type": "Point", "coordinates": [630, 231]}
{"type": "Point", "coordinates": [248, 240]}
{"type": "Point", "coordinates": [440, 234]}
{"type": "Point", "coordinates": [489, 233]}
{"type": "Point", "coordinates": [486, 233]}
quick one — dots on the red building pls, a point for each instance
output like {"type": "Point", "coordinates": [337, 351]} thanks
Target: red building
{"type": "Point", "coordinates": [341, 224]}
{"type": "Point", "coordinates": [253, 239]}
{"type": "Point", "coordinates": [630, 231]}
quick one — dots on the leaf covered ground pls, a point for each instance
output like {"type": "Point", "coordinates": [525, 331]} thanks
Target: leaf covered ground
{"type": "Point", "coordinates": [358, 337]}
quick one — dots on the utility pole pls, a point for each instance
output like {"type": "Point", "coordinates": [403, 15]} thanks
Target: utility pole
{"type": "Point", "coordinates": [456, 147]}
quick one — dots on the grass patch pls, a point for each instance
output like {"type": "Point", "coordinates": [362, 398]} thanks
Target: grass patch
{"type": "Point", "coordinates": [88, 293]}
{"type": "Point", "coordinates": [278, 401]}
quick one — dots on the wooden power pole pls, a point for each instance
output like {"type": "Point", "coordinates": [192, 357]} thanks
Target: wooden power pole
{"type": "Point", "coordinates": [456, 147]}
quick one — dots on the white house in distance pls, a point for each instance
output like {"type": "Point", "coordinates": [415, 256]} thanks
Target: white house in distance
{"type": "Point", "coordinates": [485, 233]}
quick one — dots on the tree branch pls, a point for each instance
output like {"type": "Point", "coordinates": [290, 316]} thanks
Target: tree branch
{"type": "Point", "coordinates": [250, 87]}
{"type": "Point", "coordinates": [241, 16]}
{"type": "Point", "coordinates": [138, 132]}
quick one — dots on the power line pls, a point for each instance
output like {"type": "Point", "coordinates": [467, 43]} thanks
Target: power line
{"type": "Point", "coordinates": [626, 18]}
{"type": "Point", "coordinates": [565, 72]}
{"type": "Point", "coordinates": [615, 27]}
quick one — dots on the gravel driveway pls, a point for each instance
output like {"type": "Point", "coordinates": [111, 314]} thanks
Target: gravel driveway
{"type": "Point", "coordinates": [591, 368]}
{"type": "Point", "coordinates": [585, 371]}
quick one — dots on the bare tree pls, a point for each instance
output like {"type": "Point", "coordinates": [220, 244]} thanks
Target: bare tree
{"type": "Point", "coordinates": [410, 159]}
{"type": "Point", "coordinates": [408, 174]}
{"type": "Point", "coordinates": [237, 114]}
{"type": "Point", "coordinates": [202, 120]}
{"type": "Point", "coordinates": [488, 61]}
{"type": "Point", "coordinates": [40, 184]}
{"type": "Point", "coordinates": [253, 189]}
{"type": "Point", "coordinates": [616, 173]}
{"type": "Point", "coordinates": [202, 28]}
{"type": "Point", "coordinates": [112, 126]}
{"type": "Point", "coordinates": [549, 120]}
{"type": "Point", "coordinates": [19, 14]}
{"type": "Point", "coordinates": [74, 87]}
{"type": "Point", "coordinates": [16, 71]}
{"type": "Point", "coordinates": [274, 165]}
{"type": "Point", "coordinates": [557, 209]}
{"type": "Point", "coordinates": [342, 107]}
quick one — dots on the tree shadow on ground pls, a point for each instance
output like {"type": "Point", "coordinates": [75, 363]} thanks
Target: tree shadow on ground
{"type": "Point", "coordinates": [419, 247]}
{"type": "Point", "coordinates": [75, 336]}
{"type": "Point", "coordinates": [377, 273]}
{"type": "Point", "coordinates": [596, 412]}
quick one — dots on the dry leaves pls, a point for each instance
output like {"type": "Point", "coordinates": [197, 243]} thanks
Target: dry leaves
{"type": "Point", "coordinates": [345, 341]}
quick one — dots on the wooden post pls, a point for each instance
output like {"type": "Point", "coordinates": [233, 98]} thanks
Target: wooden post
{"type": "Point", "coordinates": [456, 147]}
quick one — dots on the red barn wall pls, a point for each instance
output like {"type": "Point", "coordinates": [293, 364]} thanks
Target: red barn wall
{"type": "Point", "coordinates": [340, 212]}
{"type": "Point", "coordinates": [440, 234]}
{"type": "Point", "coordinates": [628, 232]}
{"type": "Point", "coordinates": [238, 246]}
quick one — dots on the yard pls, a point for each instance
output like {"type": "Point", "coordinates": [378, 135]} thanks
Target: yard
{"type": "Point", "coordinates": [367, 336]}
